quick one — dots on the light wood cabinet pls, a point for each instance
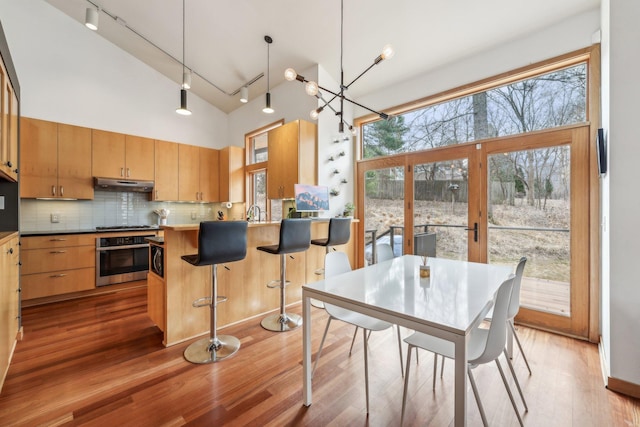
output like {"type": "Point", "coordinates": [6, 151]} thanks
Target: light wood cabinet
{"type": "Point", "coordinates": [9, 299]}
{"type": "Point", "coordinates": [116, 155]}
{"type": "Point", "coordinates": [232, 180]}
{"type": "Point", "coordinates": [166, 171]}
{"type": "Point", "coordinates": [55, 161]}
{"type": "Point", "coordinates": [292, 158]}
{"type": "Point", "coordinates": [156, 293]}
{"type": "Point", "coordinates": [9, 128]}
{"type": "Point", "coordinates": [55, 265]}
{"type": "Point", "coordinates": [197, 174]}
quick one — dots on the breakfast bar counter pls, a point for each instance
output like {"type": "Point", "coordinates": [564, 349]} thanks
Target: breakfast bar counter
{"type": "Point", "coordinates": [243, 282]}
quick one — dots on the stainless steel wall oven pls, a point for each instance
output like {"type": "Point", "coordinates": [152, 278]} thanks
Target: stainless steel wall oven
{"type": "Point", "coordinates": [121, 259]}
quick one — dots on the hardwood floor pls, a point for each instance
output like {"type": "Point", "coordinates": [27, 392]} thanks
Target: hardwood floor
{"type": "Point", "coordinates": [99, 361]}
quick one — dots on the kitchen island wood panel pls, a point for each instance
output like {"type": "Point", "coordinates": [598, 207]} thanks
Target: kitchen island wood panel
{"type": "Point", "coordinates": [9, 298]}
{"type": "Point", "coordinates": [242, 282]}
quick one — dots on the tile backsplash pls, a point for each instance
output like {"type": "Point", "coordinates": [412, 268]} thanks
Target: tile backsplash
{"type": "Point", "coordinates": [108, 209]}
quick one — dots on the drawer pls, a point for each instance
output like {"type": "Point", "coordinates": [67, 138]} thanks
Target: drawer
{"type": "Point", "coordinates": [57, 259]}
{"type": "Point", "coordinates": [58, 241]}
{"type": "Point", "coordinates": [56, 283]}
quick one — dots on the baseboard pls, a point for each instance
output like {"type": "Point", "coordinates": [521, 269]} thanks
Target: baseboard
{"type": "Point", "coordinates": [623, 387]}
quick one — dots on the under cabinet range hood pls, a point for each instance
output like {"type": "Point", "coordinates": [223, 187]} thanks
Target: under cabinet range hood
{"type": "Point", "coordinates": [110, 184]}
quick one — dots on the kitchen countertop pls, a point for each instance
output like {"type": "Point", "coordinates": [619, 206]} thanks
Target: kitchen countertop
{"type": "Point", "coordinates": [83, 231]}
{"type": "Point", "coordinates": [190, 227]}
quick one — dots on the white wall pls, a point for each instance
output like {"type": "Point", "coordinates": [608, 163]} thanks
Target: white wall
{"type": "Point", "coordinates": [605, 212]}
{"type": "Point", "coordinates": [70, 74]}
{"type": "Point", "coordinates": [624, 233]}
{"type": "Point", "coordinates": [572, 34]}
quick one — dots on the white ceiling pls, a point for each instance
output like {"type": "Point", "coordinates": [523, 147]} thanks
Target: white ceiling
{"type": "Point", "coordinates": [225, 39]}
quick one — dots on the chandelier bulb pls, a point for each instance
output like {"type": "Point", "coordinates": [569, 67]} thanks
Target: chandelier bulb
{"type": "Point", "coordinates": [311, 88]}
{"type": "Point", "coordinates": [290, 74]}
{"type": "Point", "coordinates": [387, 52]}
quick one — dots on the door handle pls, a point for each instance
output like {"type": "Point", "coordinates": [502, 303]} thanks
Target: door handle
{"type": "Point", "coordinates": [475, 231]}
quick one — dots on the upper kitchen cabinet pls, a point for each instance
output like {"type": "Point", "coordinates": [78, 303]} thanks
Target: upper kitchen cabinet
{"type": "Point", "coordinates": [232, 174]}
{"type": "Point", "coordinates": [166, 171]}
{"type": "Point", "coordinates": [55, 161]}
{"type": "Point", "coordinates": [116, 155]}
{"type": "Point", "coordinates": [198, 174]}
{"type": "Point", "coordinates": [292, 158]}
{"type": "Point", "coordinates": [9, 128]}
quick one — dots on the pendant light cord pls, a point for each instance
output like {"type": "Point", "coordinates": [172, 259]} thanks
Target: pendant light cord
{"type": "Point", "coordinates": [268, 61]}
{"type": "Point", "coordinates": [183, 44]}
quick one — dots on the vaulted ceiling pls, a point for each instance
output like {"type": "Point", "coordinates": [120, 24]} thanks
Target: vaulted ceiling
{"type": "Point", "coordinates": [224, 40]}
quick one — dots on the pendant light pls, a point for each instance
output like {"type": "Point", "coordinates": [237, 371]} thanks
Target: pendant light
{"type": "Point", "coordinates": [183, 91]}
{"type": "Point", "coordinates": [267, 108]}
{"type": "Point", "coordinates": [244, 94]}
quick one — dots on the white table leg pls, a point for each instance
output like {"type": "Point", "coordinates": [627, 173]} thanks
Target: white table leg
{"type": "Point", "coordinates": [460, 382]}
{"type": "Point", "coordinates": [306, 349]}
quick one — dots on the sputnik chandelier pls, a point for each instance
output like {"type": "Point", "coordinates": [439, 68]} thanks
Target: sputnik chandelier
{"type": "Point", "coordinates": [313, 89]}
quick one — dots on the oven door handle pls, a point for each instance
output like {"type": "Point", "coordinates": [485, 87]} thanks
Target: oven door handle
{"type": "Point", "coordinates": [116, 248]}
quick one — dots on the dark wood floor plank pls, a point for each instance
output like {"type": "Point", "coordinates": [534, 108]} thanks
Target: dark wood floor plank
{"type": "Point", "coordinates": [99, 361]}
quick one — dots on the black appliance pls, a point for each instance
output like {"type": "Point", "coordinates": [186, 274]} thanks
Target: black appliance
{"type": "Point", "coordinates": [121, 259]}
{"type": "Point", "coordinates": [157, 260]}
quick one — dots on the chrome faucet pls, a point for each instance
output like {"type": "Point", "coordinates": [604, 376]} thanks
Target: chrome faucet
{"type": "Point", "coordinates": [251, 213]}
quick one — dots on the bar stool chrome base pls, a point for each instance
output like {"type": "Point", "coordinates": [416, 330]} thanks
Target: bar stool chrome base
{"type": "Point", "coordinates": [281, 322]}
{"type": "Point", "coordinates": [207, 350]}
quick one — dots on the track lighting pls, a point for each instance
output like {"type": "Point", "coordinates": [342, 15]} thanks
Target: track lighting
{"type": "Point", "coordinates": [91, 18]}
{"type": "Point", "coordinates": [244, 94]}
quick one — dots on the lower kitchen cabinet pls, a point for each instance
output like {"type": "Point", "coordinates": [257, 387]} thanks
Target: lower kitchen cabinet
{"type": "Point", "coordinates": [55, 265]}
{"type": "Point", "coordinates": [155, 300]}
{"type": "Point", "coordinates": [9, 299]}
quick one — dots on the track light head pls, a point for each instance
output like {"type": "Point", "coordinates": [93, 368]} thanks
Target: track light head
{"type": "Point", "coordinates": [91, 18]}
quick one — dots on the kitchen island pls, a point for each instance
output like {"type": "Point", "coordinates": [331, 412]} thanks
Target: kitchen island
{"type": "Point", "coordinates": [243, 282]}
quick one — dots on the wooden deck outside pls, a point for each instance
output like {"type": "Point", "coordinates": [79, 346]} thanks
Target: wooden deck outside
{"type": "Point", "coordinates": [546, 295]}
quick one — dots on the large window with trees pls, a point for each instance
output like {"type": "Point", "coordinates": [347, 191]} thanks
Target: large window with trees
{"type": "Point", "coordinates": [542, 102]}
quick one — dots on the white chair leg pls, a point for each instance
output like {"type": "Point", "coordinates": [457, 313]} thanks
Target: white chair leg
{"type": "Point", "coordinates": [435, 369]}
{"type": "Point", "coordinates": [406, 384]}
{"type": "Point", "coordinates": [353, 340]}
{"type": "Point", "coordinates": [515, 335]}
{"type": "Point", "coordinates": [506, 385]}
{"type": "Point", "coordinates": [477, 396]}
{"type": "Point", "coordinates": [366, 367]}
{"type": "Point", "coordinates": [400, 349]}
{"type": "Point", "coordinates": [326, 329]}
{"type": "Point", "coordinates": [513, 373]}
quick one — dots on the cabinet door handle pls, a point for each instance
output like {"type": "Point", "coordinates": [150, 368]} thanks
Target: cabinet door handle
{"type": "Point", "coordinates": [122, 172]}
{"type": "Point", "coordinates": [57, 240]}
{"type": "Point", "coordinates": [128, 172]}
{"type": "Point", "coordinates": [61, 191]}
{"type": "Point", "coordinates": [9, 163]}
{"type": "Point", "coordinates": [10, 251]}
{"type": "Point", "coordinates": [58, 252]}
{"type": "Point", "coordinates": [156, 193]}
{"type": "Point", "coordinates": [53, 276]}
{"type": "Point", "coordinates": [53, 190]}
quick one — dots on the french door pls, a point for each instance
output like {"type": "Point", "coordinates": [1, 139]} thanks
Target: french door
{"type": "Point", "coordinates": [492, 202]}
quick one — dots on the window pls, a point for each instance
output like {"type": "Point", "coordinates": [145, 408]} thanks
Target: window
{"type": "Point", "coordinates": [544, 101]}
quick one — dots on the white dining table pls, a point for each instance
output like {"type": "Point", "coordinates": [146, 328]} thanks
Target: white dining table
{"type": "Point", "coordinates": [448, 305]}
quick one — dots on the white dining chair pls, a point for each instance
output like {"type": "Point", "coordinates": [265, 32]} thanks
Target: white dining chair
{"type": "Point", "coordinates": [338, 263]}
{"type": "Point", "coordinates": [384, 252]}
{"type": "Point", "coordinates": [484, 346]}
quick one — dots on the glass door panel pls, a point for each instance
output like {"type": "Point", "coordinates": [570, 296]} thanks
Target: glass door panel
{"type": "Point", "coordinates": [441, 209]}
{"type": "Point", "coordinates": [529, 214]}
{"type": "Point", "coordinates": [383, 211]}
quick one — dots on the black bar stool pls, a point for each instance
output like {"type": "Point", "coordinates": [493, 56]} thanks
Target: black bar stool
{"type": "Point", "coordinates": [295, 236]}
{"type": "Point", "coordinates": [218, 242]}
{"type": "Point", "coordinates": [338, 234]}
